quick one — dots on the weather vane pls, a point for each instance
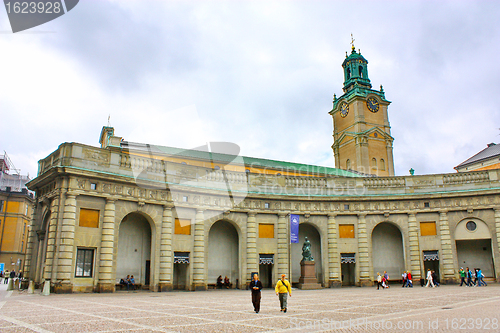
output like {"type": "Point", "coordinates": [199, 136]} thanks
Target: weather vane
{"type": "Point", "coordinates": [352, 42]}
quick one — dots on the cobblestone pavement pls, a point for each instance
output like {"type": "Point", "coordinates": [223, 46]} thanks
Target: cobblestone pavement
{"type": "Point", "coordinates": [443, 309]}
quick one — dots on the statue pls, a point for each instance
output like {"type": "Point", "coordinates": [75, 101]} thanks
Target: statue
{"type": "Point", "coordinates": [306, 251]}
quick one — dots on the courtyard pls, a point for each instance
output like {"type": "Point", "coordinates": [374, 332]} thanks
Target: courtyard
{"type": "Point", "coordinates": [443, 309]}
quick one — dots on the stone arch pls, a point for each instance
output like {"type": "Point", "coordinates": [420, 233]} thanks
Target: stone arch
{"type": "Point", "coordinates": [223, 252]}
{"type": "Point", "coordinates": [313, 233]}
{"type": "Point", "coordinates": [473, 245]}
{"type": "Point", "coordinates": [388, 250]}
{"type": "Point", "coordinates": [135, 252]}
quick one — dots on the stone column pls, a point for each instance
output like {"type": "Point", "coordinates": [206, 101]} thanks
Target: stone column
{"type": "Point", "coordinates": [66, 247]}
{"type": "Point", "coordinates": [497, 226]}
{"type": "Point", "coordinates": [38, 264]}
{"type": "Point", "coordinates": [106, 282]}
{"type": "Point", "coordinates": [333, 254]}
{"type": "Point", "coordinates": [283, 240]}
{"type": "Point", "coordinates": [199, 282]}
{"type": "Point", "coordinates": [29, 254]}
{"type": "Point", "coordinates": [446, 255]}
{"type": "Point", "coordinates": [252, 255]}
{"type": "Point", "coordinates": [414, 265]}
{"type": "Point", "coordinates": [51, 241]}
{"type": "Point", "coordinates": [363, 253]}
{"type": "Point", "coordinates": [166, 250]}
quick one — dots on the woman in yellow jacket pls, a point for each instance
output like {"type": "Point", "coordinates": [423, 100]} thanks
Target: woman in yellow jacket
{"type": "Point", "coordinates": [282, 289]}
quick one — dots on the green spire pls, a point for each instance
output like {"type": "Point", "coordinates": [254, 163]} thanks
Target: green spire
{"type": "Point", "coordinates": [355, 70]}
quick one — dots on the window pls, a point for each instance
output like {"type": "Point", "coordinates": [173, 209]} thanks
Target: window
{"type": "Point", "coordinates": [426, 205]}
{"type": "Point", "coordinates": [374, 162]}
{"type": "Point", "coordinates": [247, 170]}
{"type": "Point", "coordinates": [216, 167]}
{"type": "Point", "coordinates": [266, 230]}
{"type": "Point", "coordinates": [348, 73]}
{"type": "Point", "coordinates": [1, 205]}
{"type": "Point", "coordinates": [360, 68]}
{"type": "Point", "coordinates": [348, 164]}
{"type": "Point", "coordinates": [93, 186]}
{"type": "Point", "coordinates": [266, 204]}
{"type": "Point", "coordinates": [382, 164]}
{"type": "Point", "coordinates": [89, 218]}
{"type": "Point", "coordinates": [183, 163]}
{"type": "Point", "coordinates": [182, 227]}
{"type": "Point", "coordinates": [471, 225]}
{"type": "Point", "coordinates": [428, 228]}
{"type": "Point", "coordinates": [185, 198]}
{"type": "Point", "coordinates": [346, 230]}
{"type": "Point", "coordinates": [84, 262]}
{"type": "Point", "coordinates": [346, 206]}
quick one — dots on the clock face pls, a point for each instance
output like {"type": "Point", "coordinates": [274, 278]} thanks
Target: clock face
{"type": "Point", "coordinates": [344, 109]}
{"type": "Point", "coordinates": [372, 104]}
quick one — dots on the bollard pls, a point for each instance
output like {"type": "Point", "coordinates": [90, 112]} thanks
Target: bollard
{"type": "Point", "coordinates": [31, 287]}
{"type": "Point", "coordinates": [10, 286]}
{"type": "Point", "coordinates": [46, 288]}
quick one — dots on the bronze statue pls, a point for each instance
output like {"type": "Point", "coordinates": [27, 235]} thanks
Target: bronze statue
{"type": "Point", "coordinates": [306, 251]}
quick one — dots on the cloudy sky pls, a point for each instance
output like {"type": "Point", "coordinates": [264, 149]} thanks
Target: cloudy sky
{"type": "Point", "coordinates": [260, 74]}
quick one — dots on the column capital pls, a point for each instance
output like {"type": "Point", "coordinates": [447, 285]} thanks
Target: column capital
{"type": "Point", "coordinates": [252, 214]}
{"type": "Point", "coordinates": [332, 215]}
{"type": "Point", "coordinates": [168, 206]}
{"type": "Point", "coordinates": [282, 214]}
{"type": "Point", "coordinates": [443, 212]}
{"type": "Point", "coordinates": [412, 214]}
{"type": "Point", "coordinates": [362, 215]}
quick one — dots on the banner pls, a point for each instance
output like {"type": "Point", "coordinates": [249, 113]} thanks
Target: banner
{"type": "Point", "coordinates": [294, 228]}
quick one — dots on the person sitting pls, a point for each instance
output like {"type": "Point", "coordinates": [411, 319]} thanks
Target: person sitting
{"type": "Point", "coordinates": [124, 282]}
{"type": "Point", "coordinates": [131, 282]}
{"type": "Point", "coordinates": [226, 282]}
{"type": "Point", "coordinates": [219, 282]}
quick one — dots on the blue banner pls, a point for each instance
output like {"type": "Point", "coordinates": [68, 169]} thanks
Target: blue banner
{"type": "Point", "coordinates": [294, 228]}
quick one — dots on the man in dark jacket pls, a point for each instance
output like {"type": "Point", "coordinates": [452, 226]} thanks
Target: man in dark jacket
{"type": "Point", "coordinates": [255, 287]}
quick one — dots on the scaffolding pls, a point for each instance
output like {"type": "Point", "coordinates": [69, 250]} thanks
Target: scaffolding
{"type": "Point", "coordinates": [14, 182]}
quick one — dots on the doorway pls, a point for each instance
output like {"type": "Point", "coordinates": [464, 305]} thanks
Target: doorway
{"type": "Point", "coordinates": [348, 269]}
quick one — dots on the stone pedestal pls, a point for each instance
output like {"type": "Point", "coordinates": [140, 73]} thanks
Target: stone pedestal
{"type": "Point", "coordinates": [308, 279]}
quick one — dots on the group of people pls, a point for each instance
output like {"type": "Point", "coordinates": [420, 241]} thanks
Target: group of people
{"type": "Point", "coordinates": [382, 280]}
{"type": "Point", "coordinates": [223, 282]}
{"type": "Point", "coordinates": [129, 282]}
{"type": "Point", "coordinates": [432, 280]}
{"type": "Point", "coordinates": [12, 275]}
{"type": "Point", "coordinates": [283, 289]}
{"type": "Point", "coordinates": [477, 275]}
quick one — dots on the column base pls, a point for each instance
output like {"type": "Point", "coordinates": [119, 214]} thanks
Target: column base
{"type": "Point", "coordinates": [63, 288]}
{"type": "Point", "coordinates": [31, 287]}
{"type": "Point", "coordinates": [365, 283]}
{"type": "Point", "coordinates": [164, 287]}
{"type": "Point", "coordinates": [105, 288]}
{"type": "Point", "coordinates": [198, 287]}
{"type": "Point", "coordinates": [46, 288]}
{"type": "Point", "coordinates": [334, 284]}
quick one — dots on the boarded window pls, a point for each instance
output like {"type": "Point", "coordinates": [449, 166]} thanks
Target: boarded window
{"type": "Point", "coordinates": [182, 227]}
{"type": "Point", "coordinates": [428, 228]}
{"type": "Point", "coordinates": [89, 218]}
{"type": "Point", "coordinates": [266, 230]}
{"type": "Point", "coordinates": [346, 230]}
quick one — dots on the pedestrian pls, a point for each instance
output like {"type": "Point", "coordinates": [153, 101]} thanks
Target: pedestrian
{"type": "Point", "coordinates": [6, 277]}
{"type": "Point", "coordinates": [403, 277]}
{"type": "Point", "coordinates": [20, 279]}
{"type": "Point", "coordinates": [379, 281]}
{"type": "Point", "coordinates": [256, 286]}
{"type": "Point", "coordinates": [462, 277]}
{"type": "Point", "coordinates": [429, 279]}
{"type": "Point", "coordinates": [475, 276]}
{"type": "Point", "coordinates": [468, 273]}
{"type": "Point", "coordinates": [409, 280]}
{"type": "Point", "coordinates": [435, 279]}
{"type": "Point", "coordinates": [480, 277]}
{"type": "Point", "coordinates": [282, 288]}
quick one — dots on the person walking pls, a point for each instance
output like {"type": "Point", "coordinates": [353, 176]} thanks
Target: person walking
{"type": "Point", "coordinates": [403, 277]}
{"type": "Point", "coordinates": [409, 281]}
{"type": "Point", "coordinates": [480, 277]}
{"type": "Point", "coordinates": [475, 277]}
{"type": "Point", "coordinates": [429, 279]}
{"type": "Point", "coordinates": [462, 277]}
{"type": "Point", "coordinates": [435, 279]}
{"type": "Point", "coordinates": [282, 289]}
{"type": "Point", "coordinates": [255, 287]}
{"type": "Point", "coordinates": [468, 273]}
{"type": "Point", "coordinates": [6, 276]}
{"type": "Point", "coordinates": [379, 281]}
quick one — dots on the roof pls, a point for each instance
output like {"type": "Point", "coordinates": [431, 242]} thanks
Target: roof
{"type": "Point", "coordinates": [492, 150]}
{"type": "Point", "coordinates": [231, 154]}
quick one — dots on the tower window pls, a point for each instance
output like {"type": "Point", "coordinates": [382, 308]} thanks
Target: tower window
{"type": "Point", "coordinates": [348, 164]}
{"type": "Point", "coordinates": [360, 68]}
{"type": "Point", "coordinates": [382, 164]}
{"type": "Point", "coordinates": [348, 73]}
{"type": "Point", "coordinates": [374, 162]}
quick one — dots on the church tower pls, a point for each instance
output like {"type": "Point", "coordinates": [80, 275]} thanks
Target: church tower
{"type": "Point", "coordinates": [362, 138]}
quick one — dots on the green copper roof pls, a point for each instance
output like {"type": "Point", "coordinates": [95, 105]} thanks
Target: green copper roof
{"type": "Point", "coordinates": [202, 153]}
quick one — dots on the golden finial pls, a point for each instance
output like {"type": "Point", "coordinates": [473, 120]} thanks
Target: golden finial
{"type": "Point", "coordinates": [352, 43]}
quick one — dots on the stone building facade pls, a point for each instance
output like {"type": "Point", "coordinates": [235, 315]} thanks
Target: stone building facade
{"type": "Point", "coordinates": [103, 213]}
